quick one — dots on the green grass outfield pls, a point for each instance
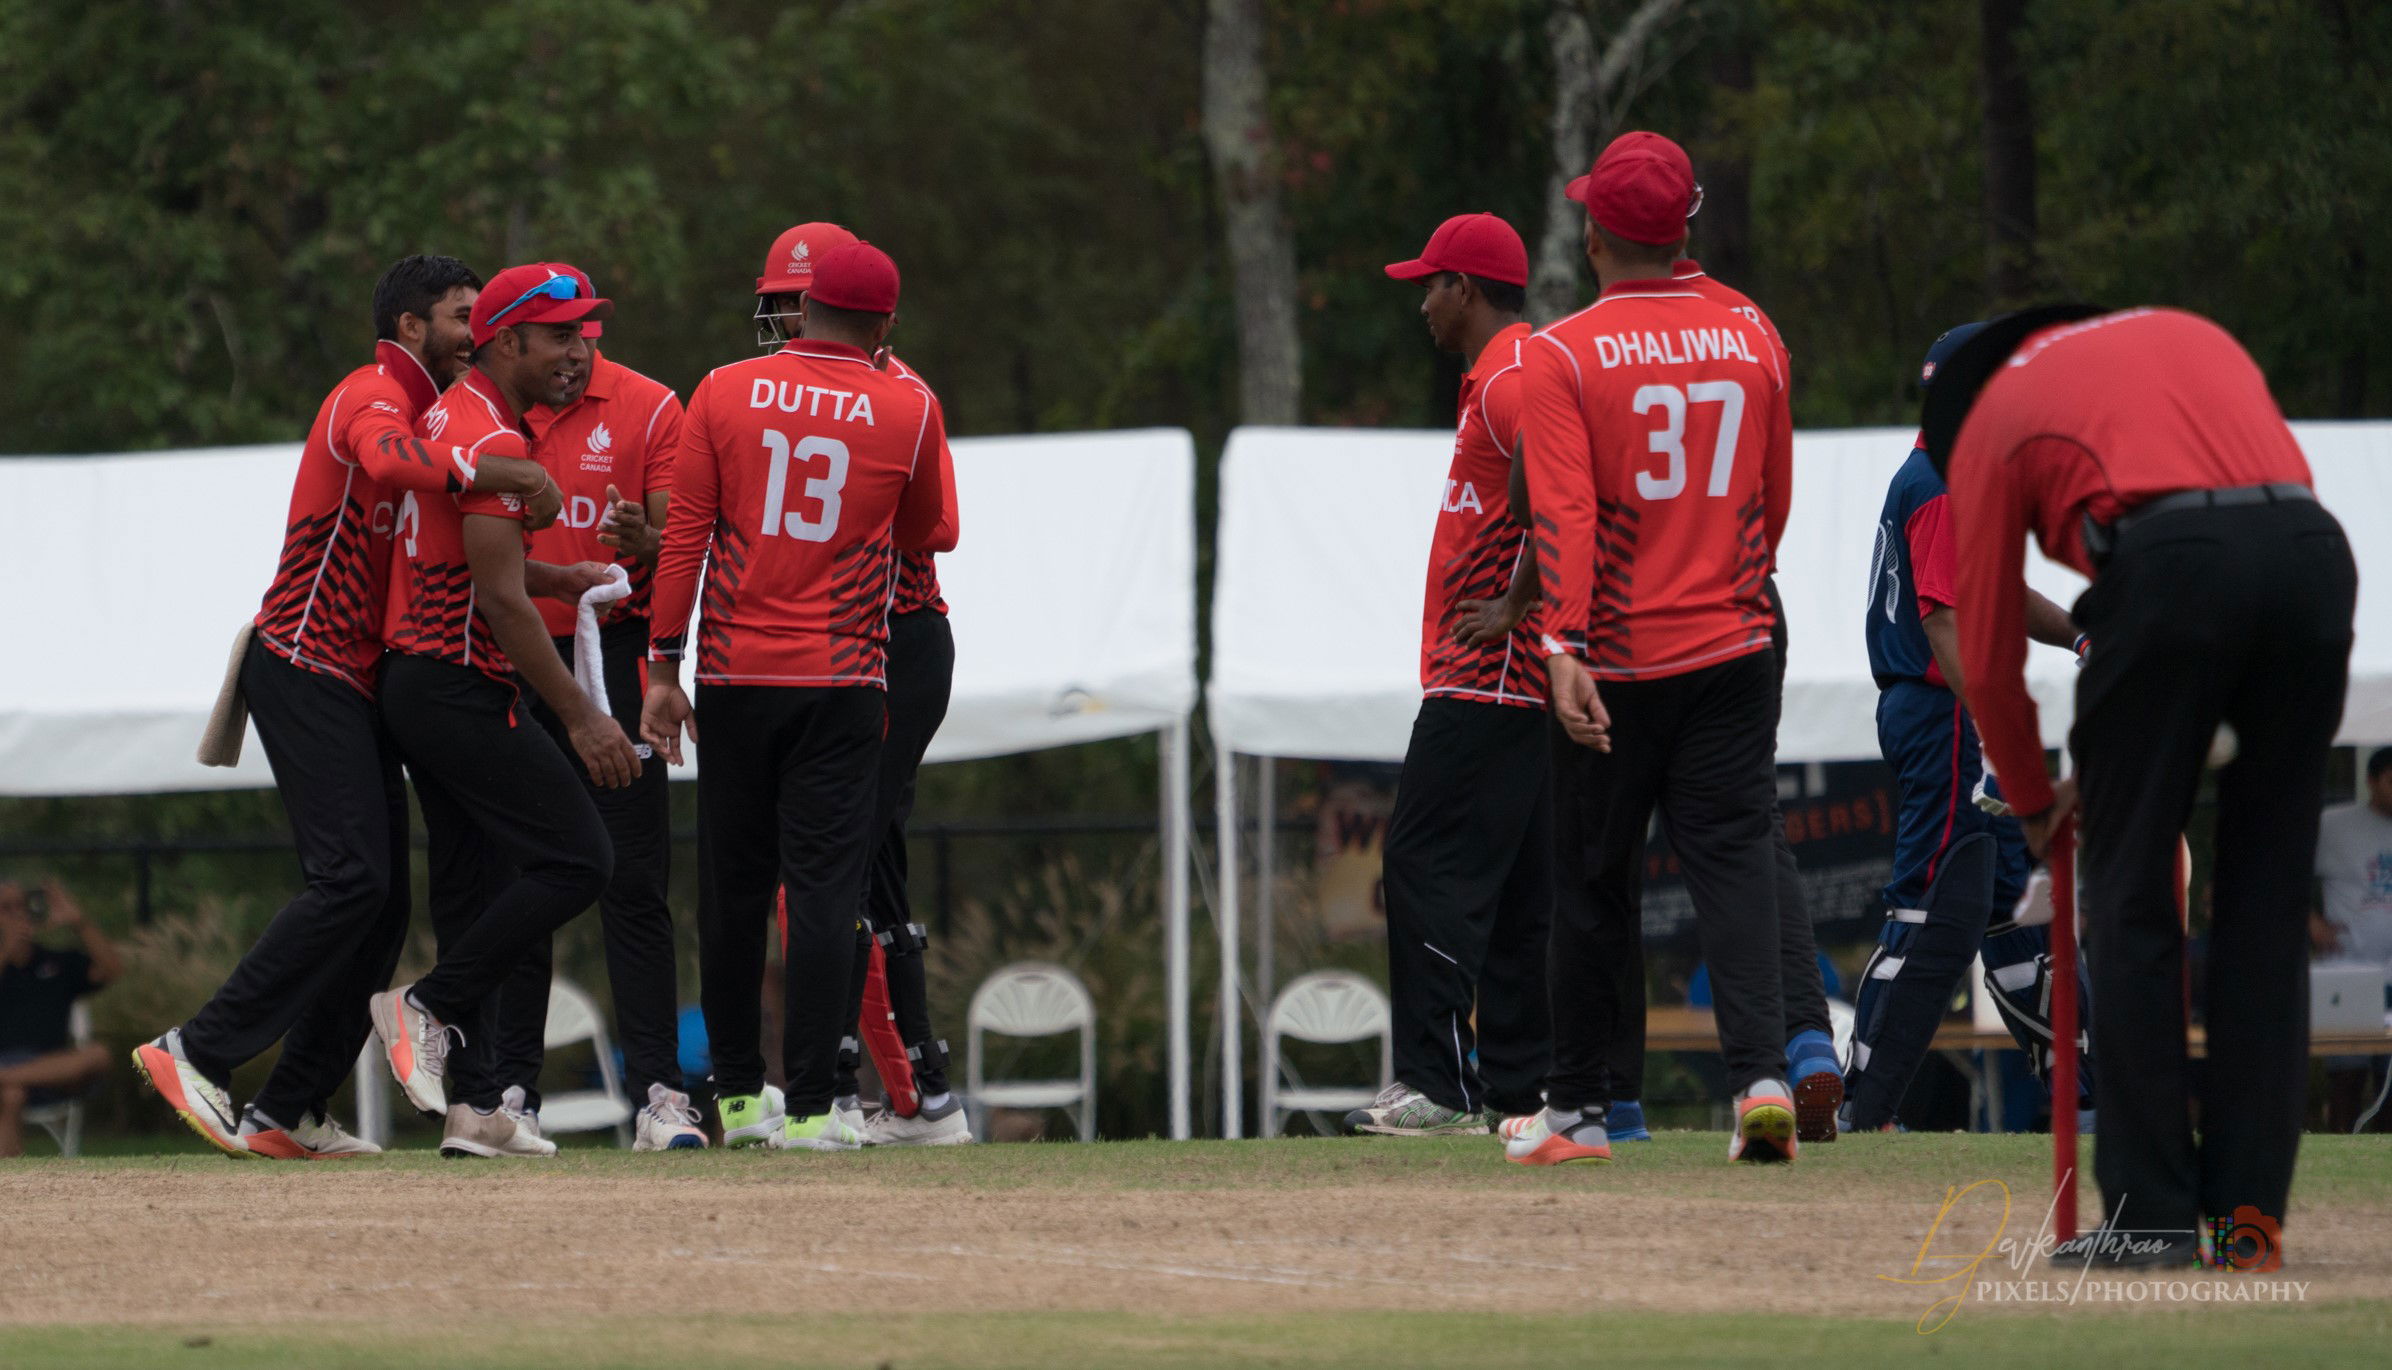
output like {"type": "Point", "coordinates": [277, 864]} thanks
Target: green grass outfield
{"type": "Point", "coordinates": [2340, 1335]}
{"type": "Point", "coordinates": [2335, 1172]}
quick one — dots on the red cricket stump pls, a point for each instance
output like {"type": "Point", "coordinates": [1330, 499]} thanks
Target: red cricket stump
{"type": "Point", "coordinates": [2062, 859]}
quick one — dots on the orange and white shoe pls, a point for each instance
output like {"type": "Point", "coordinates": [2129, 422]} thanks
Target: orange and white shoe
{"type": "Point", "coordinates": [199, 1101]}
{"type": "Point", "coordinates": [1764, 1123]}
{"type": "Point", "coordinates": [317, 1137]}
{"type": "Point", "coordinates": [1549, 1138]}
{"type": "Point", "coordinates": [417, 1045]}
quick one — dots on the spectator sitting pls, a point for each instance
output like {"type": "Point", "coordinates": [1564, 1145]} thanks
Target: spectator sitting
{"type": "Point", "coordinates": [38, 989]}
{"type": "Point", "coordinates": [2354, 921]}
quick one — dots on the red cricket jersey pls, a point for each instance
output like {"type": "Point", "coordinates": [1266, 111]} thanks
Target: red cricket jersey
{"type": "Point", "coordinates": [1478, 548]}
{"type": "Point", "coordinates": [801, 474]}
{"type": "Point", "coordinates": [323, 611]}
{"type": "Point", "coordinates": [431, 610]}
{"type": "Point", "coordinates": [918, 572]}
{"type": "Point", "coordinates": [1660, 456]}
{"type": "Point", "coordinates": [1689, 273]}
{"type": "Point", "coordinates": [2089, 419]}
{"type": "Point", "coordinates": [622, 432]}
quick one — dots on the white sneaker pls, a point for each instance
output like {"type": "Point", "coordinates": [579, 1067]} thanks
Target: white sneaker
{"type": "Point", "coordinates": [850, 1113]}
{"type": "Point", "coordinates": [931, 1127]}
{"type": "Point", "coordinates": [512, 1101]}
{"type": "Point", "coordinates": [471, 1132]}
{"type": "Point", "coordinates": [668, 1123]}
{"type": "Point", "coordinates": [316, 1138]}
{"type": "Point", "coordinates": [195, 1098]}
{"type": "Point", "coordinates": [417, 1046]}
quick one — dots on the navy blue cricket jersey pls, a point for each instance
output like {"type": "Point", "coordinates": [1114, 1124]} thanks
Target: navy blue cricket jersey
{"type": "Point", "coordinates": [1912, 572]}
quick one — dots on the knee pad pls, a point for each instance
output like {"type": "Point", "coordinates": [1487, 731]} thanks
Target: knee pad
{"type": "Point", "coordinates": [905, 939]}
{"type": "Point", "coordinates": [1936, 940]}
{"type": "Point", "coordinates": [930, 1055]}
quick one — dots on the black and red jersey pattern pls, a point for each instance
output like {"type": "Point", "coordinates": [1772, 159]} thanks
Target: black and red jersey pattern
{"type": "Point", "coordinates": [917, 584]}
{"type": "Point", "coordinates": [435, 617]}
{"type": "Point", "coordinates": [1477, 547]}
{"type": "Point", "coordinates": [324, 610]}
{"type": "Point", "coordinates": [1512, 673]}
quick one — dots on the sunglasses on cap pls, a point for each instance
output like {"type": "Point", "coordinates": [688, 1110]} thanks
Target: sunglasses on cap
{"type": "Point", "coordinates": [555, 288]}
{"type": "Point", "coordinates": [1694, 206]}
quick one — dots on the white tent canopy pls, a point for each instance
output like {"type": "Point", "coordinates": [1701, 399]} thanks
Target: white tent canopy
{"type": "Point", "coordinates": [1073, 594]}
{"type": "Point", "coordinates": [1322, 557]}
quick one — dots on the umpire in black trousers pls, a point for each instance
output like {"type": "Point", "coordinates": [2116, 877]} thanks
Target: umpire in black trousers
{"type": "Point", "coordinates": [2144, 449]}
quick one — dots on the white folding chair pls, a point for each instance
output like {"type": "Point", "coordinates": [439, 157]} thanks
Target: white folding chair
{"type": "Point", "coordinates": [64, 1120]}
{"type": "Point", "coordinates": [1034, 999]}
{"type": "Point", "coordinates": [573, 1017]}
{"type": "Point", "coordinates": [1324, 1006]}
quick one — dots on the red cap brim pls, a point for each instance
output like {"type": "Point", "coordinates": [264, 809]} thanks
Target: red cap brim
{"type": "Point", "coordinates": [1576, 190]}
{"type": "Point", "coordinates": [792, 284]}
{"type": "Point", "coordinates": [1413, 270]}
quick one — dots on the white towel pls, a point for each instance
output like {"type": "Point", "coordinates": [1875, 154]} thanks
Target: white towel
{"type": "Point", "coordinates": [228, 722]}
{"type": "Point", "coordinates": [589, 664]}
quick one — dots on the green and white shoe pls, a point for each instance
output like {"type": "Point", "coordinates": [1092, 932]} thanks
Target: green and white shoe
{"type": "Point", "coordinates": [822, 1132]}
{"type": "Point", "coordinates": [1402, 1111]}
{"type": "Point", "coordinates": [752, 1119]}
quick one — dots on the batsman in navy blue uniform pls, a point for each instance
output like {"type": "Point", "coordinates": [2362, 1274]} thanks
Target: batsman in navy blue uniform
{"type": "Point", "coordinates": [1958, 869]}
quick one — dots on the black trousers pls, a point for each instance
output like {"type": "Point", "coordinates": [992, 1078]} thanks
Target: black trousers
{"type": "Point", "coordinates": [921, 675]}
{"type": "Point", "coordinates": [1469, 885]}
{"type": "Point", "coordinates": [2239, 615]}
{"type": "Point", "coordinates": [785, 789]}
{"type": "Point", "coordinates": [1701, 748]}
{"type": "Point", "coordinates": [516, 847]}
{"type": "Point", "coordinates": [633, 914]}
{"type": "Point", "coordinates": [1620, 941]}
{"type": "Point", "coordinates": [307, 978]}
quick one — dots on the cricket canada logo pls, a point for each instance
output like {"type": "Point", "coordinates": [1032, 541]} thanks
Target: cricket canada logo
{"type": "Point", "coordinates": [801, 258]}
{"type": "Point", "coordinates": [597, 458]}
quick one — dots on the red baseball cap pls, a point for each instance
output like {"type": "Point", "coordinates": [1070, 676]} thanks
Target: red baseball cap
{"type": "Point", "coordinates": [1642, 188]}
{"type": "Point", "coordinates": [534, 293]}
{"type": "Point", "coordinates": [789, 267]}
{"type": "Point", "coordinates": [856, 276]}
{"type": "Point", "coordinates": [1473, 244]}
{"type": "Point", "coordinates": [590, 328]}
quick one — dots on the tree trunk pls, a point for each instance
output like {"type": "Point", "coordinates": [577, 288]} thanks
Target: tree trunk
{"type": "Point", "coordinates": [2011, 273]}
{"type": "Point", "coordinates": [1262, 247]}
{"type": "Point", "coordinates": [1553, 280]}
{"type": "Point", "coordinates": [1590, 100]}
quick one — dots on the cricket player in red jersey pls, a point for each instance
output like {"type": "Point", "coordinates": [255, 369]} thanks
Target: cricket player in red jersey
{"type": "Point", "coordinates": [1659, 448]}
{"type": "Point", "coordinates": [504, 811]}
{"type": "Point", "coordinates": [888, 990]}
{"type": "Point", "coordinates": [1811, 1062]}
{"type": "Point", "coordinates": [610, 448]}
{"type": "Point", "coordinates": [1811, 1065]}
{"type": "Point", "coordinates": [2143, 449]}
{"type": "Point", "coordinates": [308, 678]}
{"type": "Point", "coordinates": [801, 473]}
{"type": "Point", "coordinates": [1470, 846]}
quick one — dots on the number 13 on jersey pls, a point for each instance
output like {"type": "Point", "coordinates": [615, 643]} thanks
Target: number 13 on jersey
{"type": "Point", "coordinates": [823, 489]}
